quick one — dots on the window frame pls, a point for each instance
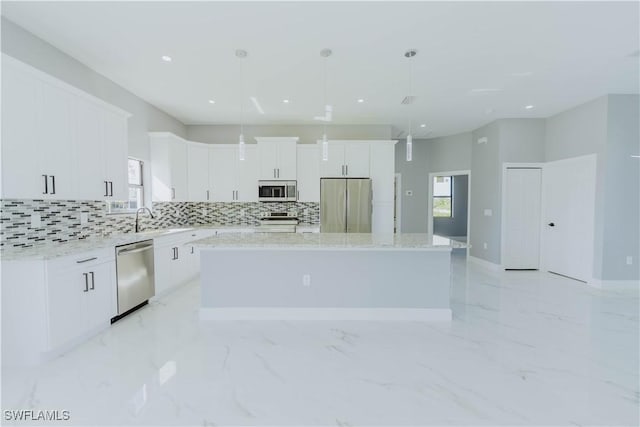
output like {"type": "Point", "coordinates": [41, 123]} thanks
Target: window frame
{"type": "Point", "coordinates": [114, 207]}
{"type": "Point", "coordinates": [450, 197]}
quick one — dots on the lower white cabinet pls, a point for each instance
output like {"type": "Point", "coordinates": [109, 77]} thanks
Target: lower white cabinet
{"type": "Point", "coordinates": [176, 262]}
{"type": "Point", "coordinates": [50, 305]}
{"type": "Point", "coordinates": [80, 299]}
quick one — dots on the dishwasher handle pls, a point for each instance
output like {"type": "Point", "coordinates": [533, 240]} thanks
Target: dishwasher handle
{"type": "Point", "coordinates": [134, 250]}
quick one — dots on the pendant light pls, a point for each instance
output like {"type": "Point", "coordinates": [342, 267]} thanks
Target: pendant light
{"type": "Point", "coordinates": [409, 148]}
{"type": "Point", "coordinates": [241, 54]}
{"type": "Point", "coordinates": [325, 53]}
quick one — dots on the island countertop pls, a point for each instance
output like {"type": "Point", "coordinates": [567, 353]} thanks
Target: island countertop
{"type": "Point", "coordinates": [328, 241]}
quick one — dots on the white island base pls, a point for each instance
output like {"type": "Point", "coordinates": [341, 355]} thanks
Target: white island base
{"type": "Point", "coordinates": [324, 277]}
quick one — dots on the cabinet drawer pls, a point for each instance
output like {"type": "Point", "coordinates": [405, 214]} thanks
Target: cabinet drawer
{"type": "Point", "coordinates": [84, 260]}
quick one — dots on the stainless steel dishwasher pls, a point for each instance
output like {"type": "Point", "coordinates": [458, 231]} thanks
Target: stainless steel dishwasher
{"type": "Point", "coordinates": [134, 269]}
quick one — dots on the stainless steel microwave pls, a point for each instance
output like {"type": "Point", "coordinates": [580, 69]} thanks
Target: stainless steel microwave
{"type": "Point", "coordinates": [277, 191]}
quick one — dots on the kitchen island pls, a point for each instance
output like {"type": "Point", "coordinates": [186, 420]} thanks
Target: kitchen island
{"type": "Point", "coordinates": [325, 276]}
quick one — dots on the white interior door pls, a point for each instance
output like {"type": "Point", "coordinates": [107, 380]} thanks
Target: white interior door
{"type": "Point", "coordinates": [522, 218]}
{"type": "Point", "coordinates": [569, 188]}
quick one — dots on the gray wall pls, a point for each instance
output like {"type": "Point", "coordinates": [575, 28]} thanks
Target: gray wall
{"type": "Point", "coordinates": [607, 126]}
{"type": "Point", "coordinates": [621, 230]}
{"type": "Point", "coordinates": [485, 194]}
{"type": "Point", "coordinates": [308, 134]}
{"type": "Point", "coordinates": [450, 153]}
{"type": "Point", "coordinates": [509, 140]}
{"type": "Point", "coordinates": [457, 224]}
{"type": "Point", "coordinates": [34, 51]}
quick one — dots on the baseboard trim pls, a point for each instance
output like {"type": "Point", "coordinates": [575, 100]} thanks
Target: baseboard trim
{"type": "Point", "coordinates": [484, 263]}
{"type": "Point", "coordinates": [614, 284]}
{"type": "Point", "coordinates": [327, 313]}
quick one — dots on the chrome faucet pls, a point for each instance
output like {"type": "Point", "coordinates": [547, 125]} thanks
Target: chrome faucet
{"type": "Point", "coordinates": [137, 214]}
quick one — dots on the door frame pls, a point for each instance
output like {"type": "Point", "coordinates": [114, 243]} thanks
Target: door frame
{"type": "Point", "coordinates": [398, 197]}
{"type": "Point", "coordinates": [430, 200]}
{"type": "Point", "coordinates": [503, 207]}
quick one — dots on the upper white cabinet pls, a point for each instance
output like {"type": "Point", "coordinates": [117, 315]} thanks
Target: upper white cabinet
{"type": "Point", "coordinates": [168, 167]}
{"type": "Point", "coordinates": [277, 158]}
{"type": "Point", "coordinates": [232, 179]}
{"type": "Point", "coordinates": [308, 173]}
{"type": "Point", "coordinates": [346, 159]}
{"type": "Point", "coordinates": [57, 141]}
{"type": "Point", "coordinates": [198, 172]}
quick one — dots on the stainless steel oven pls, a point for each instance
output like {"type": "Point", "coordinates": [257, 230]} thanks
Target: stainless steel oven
{"type": "Point", "coordinates": [277, 191]}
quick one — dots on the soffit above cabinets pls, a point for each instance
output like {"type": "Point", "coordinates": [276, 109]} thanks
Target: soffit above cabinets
{"type": "Point", "coordinates": [478, 60]}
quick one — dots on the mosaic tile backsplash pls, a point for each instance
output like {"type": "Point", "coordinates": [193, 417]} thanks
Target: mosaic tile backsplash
{"type": "Point", "coordinates": [60, 219]}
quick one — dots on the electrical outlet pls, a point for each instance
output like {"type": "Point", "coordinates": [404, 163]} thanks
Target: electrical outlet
{"type": "Point", "coordinates": [306, 280]}
{"type": "Point", "coordinates": [242, 212]}
{"type": "Point", "coordinates": [629, 260]}
{"type": "Point", "coordinates": [483, 140]}
{"type": "Point", "coordinates": [84, 218]}
{"type": "Point", "coordinates": [204, 211]}
{"type": "Point", "coordinates": [35, 221]}
{"type": "Point", "coordinates": [488, 212]}
{"type": "Point", "coordinates": [484, 245]}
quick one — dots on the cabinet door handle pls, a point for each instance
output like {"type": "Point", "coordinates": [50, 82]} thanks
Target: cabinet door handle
{"type": "Point", "coordinates": [93, 280]}
{"type": "Point", "coordinates": [298, 195]}
{"type": "Point", "coordinates": [86, 282]}
{"type": "Point", "coordinates": [274, 172]}
{"type": "Point", "coordinates": [53, 184]}
{"type": "Point", "coordinates": [346, 168]}
{"type": "Point", "coordinates": [106, 188]}
{"type": "Point", "coordinates": [86, 260]}
{"type": "Point", "coordinates": [191, 249]}
{"type": "Point", "coordinates": [46, 184]}
{"type": "Point", "coordinates": [174, 254]}
{"type": "Point", "coordinates": [173, 193]}
{"type": "Point", "coordinates": [207, 194]}
{"type": "Point", "coordinates": [111, 188]}
{"type": "Point", "coordinates": [177, 254]}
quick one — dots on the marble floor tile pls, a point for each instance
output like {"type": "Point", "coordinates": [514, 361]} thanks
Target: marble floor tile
{"type": "Point", "coordinates": [524, 348]}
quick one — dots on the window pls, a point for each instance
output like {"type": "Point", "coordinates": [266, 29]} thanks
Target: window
{"type": "Point", "coordinates": [442, 196]}
{"type": "Point", "coordinates": [136, 190]}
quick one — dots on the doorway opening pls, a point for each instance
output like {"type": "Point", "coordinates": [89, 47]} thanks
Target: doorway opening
{"type": "Point", "coordinates": [448, 205]}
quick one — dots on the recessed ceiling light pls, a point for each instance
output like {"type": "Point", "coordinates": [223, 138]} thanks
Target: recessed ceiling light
{"type": "Point", "coordinates": [528, 107]}
{"type": "Point", "coordinates": [211, 101]}
{"type": "Point", "coordinates": [360, 100]}
{"type": "Point", "coordinates": [489, 111]}
{"type": "Point", "coordinates": [286, 101]}
{"type": "Point", "coordinates": [523, 74]}
{"type": "Point", "coordinates": [424, 125]}
{"type": "Point", "coordinates": [166, 58]}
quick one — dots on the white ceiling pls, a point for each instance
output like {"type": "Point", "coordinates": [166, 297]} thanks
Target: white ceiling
{"type": "Point", "coordinates": [550, 55]}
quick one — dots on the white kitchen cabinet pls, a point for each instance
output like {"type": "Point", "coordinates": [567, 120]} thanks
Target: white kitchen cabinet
{"type": "Point", "coordinates": [115, 154]}
{"type": "Point", "coordinates": [176, 262]}
{"type": "Point", "coordinates": [223, 160]}
{"type": "Point", "coordinates": [232, 179]}
{"type": "Point", "coordinates": [345, 159]}
{"type": "Point", "coordinates": [247, 178]}
{"type": "Point", "coordinates": [168, 167]}
{"type": "Point", "coordinates": [80, 299]}
{"type": "Point", "coordinates": [55, 139]}
{"type": "Point", "coordinates": [308, 173]}
{"type": "Point", "coordinates": [101, 146]}
{"type": "Point", "coordinates": [277, 158]}
{"type": "Point", "coordinates": [198, 172]}
{"type": "Point", "coordinates": [55, 303]}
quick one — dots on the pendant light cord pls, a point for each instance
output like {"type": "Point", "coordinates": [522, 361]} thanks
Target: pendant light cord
{"type": "Point", "coordinates": [410, 91]}
{"type": "Point", "coordinates": [241, 97]}
{"type": "Point", "coordinates": [324, 73]}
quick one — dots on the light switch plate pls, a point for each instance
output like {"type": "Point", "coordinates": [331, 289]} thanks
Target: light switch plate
{"type": "Point", "coordinates": [84, 218]}
{"type": "Point", "coordinates": [488, 212]}
{"type": "Point", "coordinates": [36, 221]}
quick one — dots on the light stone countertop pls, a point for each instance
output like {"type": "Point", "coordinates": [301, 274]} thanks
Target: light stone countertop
{"type": "Point", "coordinates": [52, 250]}
{"type": "Point", "coordinates": [339, 241]}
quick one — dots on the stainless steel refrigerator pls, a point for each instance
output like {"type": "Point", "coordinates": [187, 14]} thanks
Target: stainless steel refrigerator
{"type": "Point", "coordinates": [345, 205]}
